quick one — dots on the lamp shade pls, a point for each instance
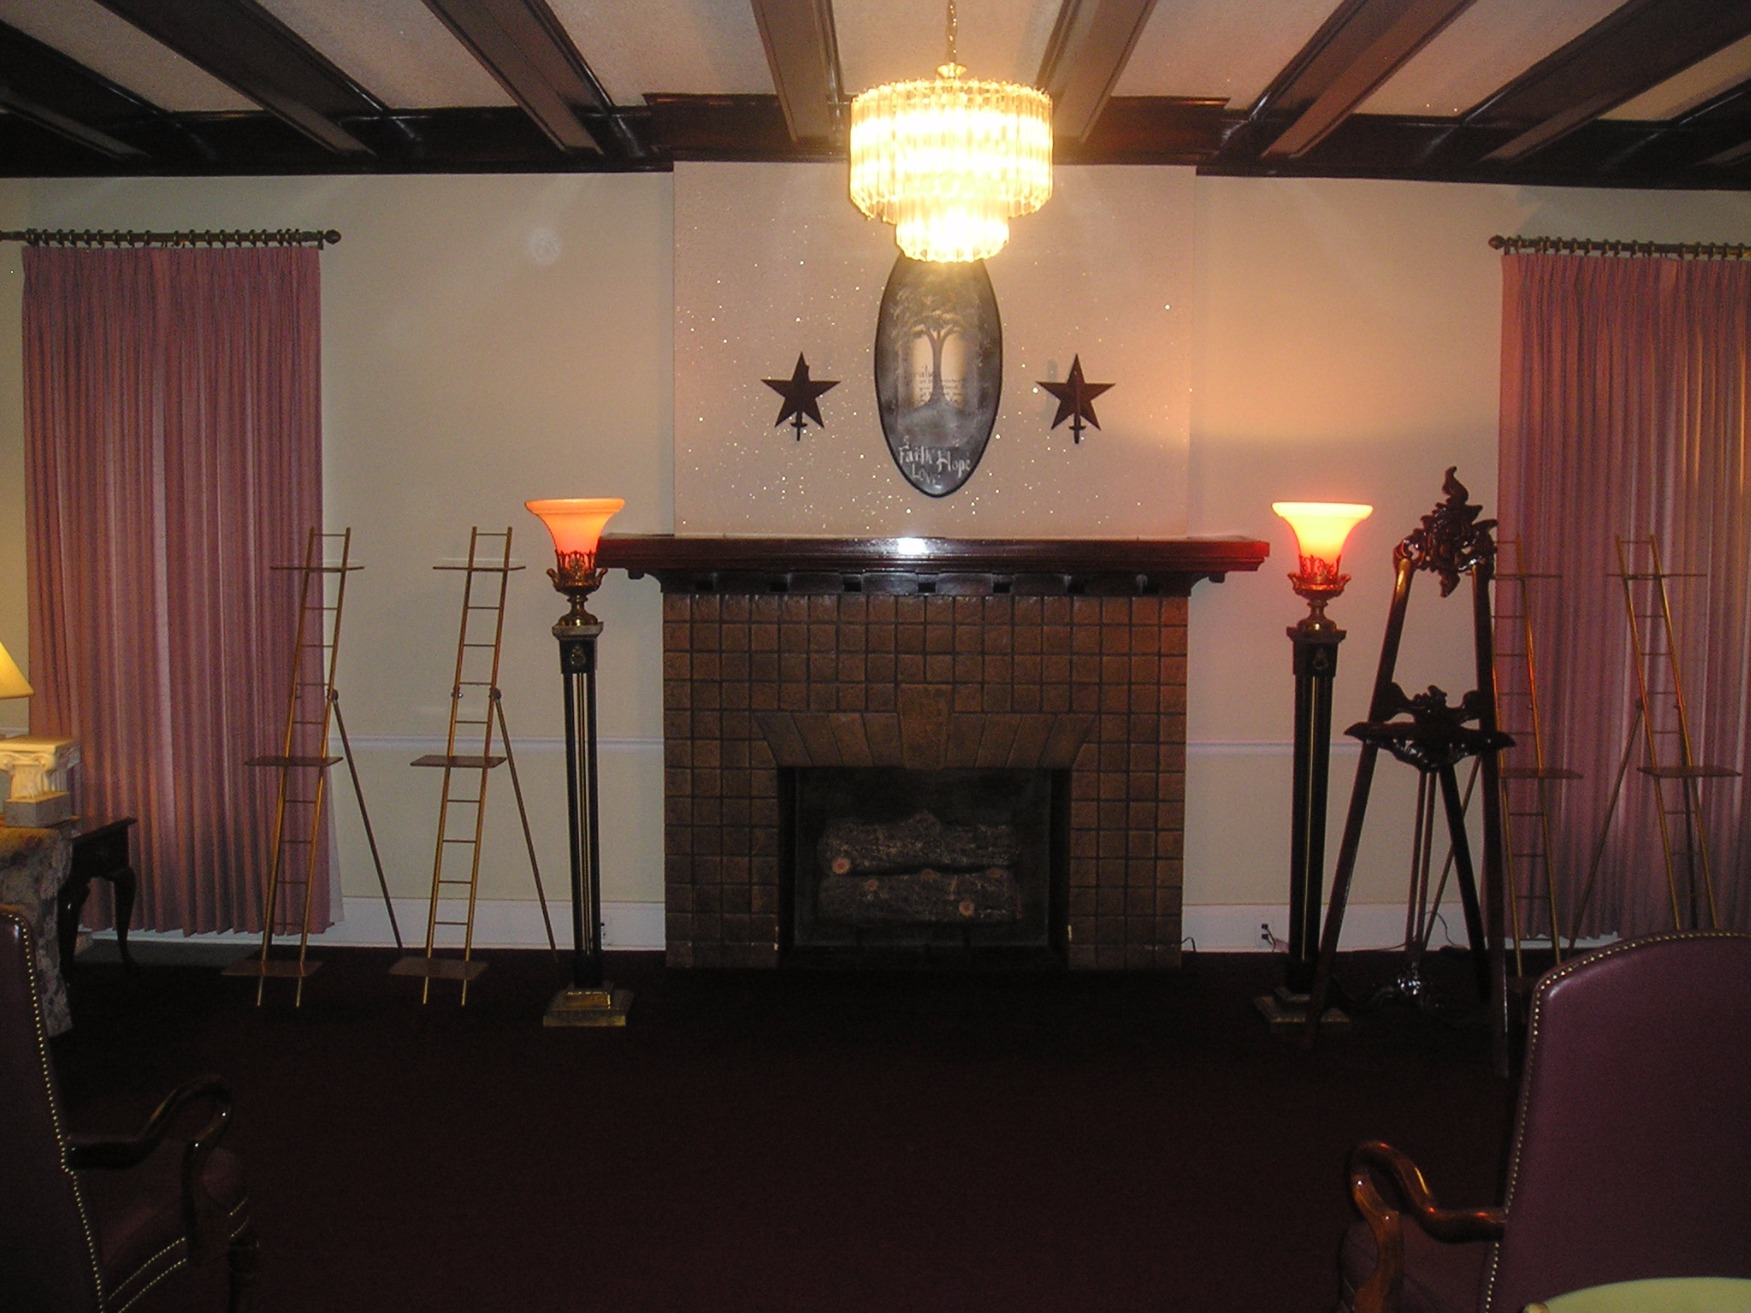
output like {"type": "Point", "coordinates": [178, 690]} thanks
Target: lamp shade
{"type": "Point", "coordinates": [1320, 530]}
{"type": "Point", "coordinates": [576, 525]}
{"type": "Point", "coordinates": [13, 684]}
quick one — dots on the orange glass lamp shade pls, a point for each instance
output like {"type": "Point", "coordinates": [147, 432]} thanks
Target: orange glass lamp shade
{"type": "Point", "coordinates": [1320, 530]}
{"type": "Point", "coordinates": [576, 525]}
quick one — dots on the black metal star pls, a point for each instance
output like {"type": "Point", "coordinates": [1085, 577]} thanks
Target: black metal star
{"type": "Point", "coordinates": [1076, 399]}
{"type": "Point", "coordinates": [801, 396]}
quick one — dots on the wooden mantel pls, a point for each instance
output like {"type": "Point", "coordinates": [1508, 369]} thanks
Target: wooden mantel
{"type": "Point", "coordinates": [1098, 566]}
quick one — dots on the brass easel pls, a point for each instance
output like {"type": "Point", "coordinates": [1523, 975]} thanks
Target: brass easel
{"type": "Point", "coordinates": [475, 708]}
{"type": "Point", "coordinates": [1662, 723]}
{"type": "Point", "coordinates": [1526, 787]}
{"type": "Point", "coordinates": [312, 710]}
{"type": "Point", "coordinates": [1425, 732]}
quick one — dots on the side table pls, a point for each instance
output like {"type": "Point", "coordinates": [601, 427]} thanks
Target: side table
{"type": "Point", "coordinates": [100, 852]}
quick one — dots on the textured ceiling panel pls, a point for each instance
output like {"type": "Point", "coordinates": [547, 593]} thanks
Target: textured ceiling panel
{"type": "Point", "coordinates": [395, 49]}
{"type": "Point", "coordinates": [1488, 45]}
{"type": "Point", "coordinates": [117, 50]}
{"type": "Point", "coordinates": [690, 80]}
{"type": "Point", "coordinates": [890, 40]}
{"type": "Point", "coordinates": [677, 47]}
{"type": "Point", "coordinates": [1219, 48]}
{"type": "Point", "coordinates": [1699, 83]}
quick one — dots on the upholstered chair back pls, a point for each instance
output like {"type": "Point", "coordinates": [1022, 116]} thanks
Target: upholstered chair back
{"type": "Point", "coordinates": [47, 1253]}
{"type": "Point", "coordinates": [1632, 1150]}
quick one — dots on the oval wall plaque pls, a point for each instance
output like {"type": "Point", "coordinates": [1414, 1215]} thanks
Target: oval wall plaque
{"type": "Point", "coordinates": [938, 370]}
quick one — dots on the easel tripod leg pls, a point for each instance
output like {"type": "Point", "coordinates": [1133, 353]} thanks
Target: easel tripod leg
{"type": "Point", "coordinates": [1340, 893]}
{"type": "Point", "coordinates": [1466, 878]}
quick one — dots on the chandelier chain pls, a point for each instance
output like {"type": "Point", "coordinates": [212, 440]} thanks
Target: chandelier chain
{"type": "Point", "coordinates": [951, 33]}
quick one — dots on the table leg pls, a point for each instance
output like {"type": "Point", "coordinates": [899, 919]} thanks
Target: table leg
{"type": "Point", "coordinates": [123, 880]}
{"type": "Point", "coordinates": [68, 904]}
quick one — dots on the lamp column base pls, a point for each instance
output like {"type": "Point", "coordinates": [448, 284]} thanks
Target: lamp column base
{"type": "Point", "coordinates": [1285, 1009]}
{"type": "Point", "coordinates": [601, 1006]}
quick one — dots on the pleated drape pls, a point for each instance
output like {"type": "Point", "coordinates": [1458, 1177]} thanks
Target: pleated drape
{"type": "Point", "coordinates": [173, 454]}
{"type": "Point", "coordinates": [1624, 413]}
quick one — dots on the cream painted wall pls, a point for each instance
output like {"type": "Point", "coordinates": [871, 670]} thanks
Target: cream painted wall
{"type": "Point", "coordinates": [1347, 339]}
{"type": "Point", "coordinates": [488, 339]}
{"type": "Point", "coordinates": [485, 340]}
{"type": "Point", "coordinates": [14, 627]}
{"type": "Point", "coordinates": [770, 261]}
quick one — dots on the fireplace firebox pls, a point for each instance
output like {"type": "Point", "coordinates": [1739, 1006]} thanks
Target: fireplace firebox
{"type": "Point", "coordinates": [945, 660]}
{"type": "Point", "coordinates": [890, 866]}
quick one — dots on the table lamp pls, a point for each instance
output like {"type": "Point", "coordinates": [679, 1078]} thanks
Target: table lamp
{"type": "Point", "coordinates": [13, 684]}
{"type": "Point", "coordinates": [38, 766]}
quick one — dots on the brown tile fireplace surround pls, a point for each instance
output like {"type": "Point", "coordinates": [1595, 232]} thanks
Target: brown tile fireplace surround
{"type": "Point", "coordinates": [782, 656]}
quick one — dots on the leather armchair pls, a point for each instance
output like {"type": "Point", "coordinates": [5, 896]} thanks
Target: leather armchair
{"type": "Point", "coordinates": [1631, 1150]}
{"type": "Point", "coordinates": [109, 1226]}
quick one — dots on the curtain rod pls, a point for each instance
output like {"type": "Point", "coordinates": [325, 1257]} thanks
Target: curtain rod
{"type": "Point", "coordinates": [1587, 246]}
{"type": "Point", "coordinates": [223, 237]}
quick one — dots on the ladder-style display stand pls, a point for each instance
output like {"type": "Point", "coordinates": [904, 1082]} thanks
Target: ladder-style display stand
{"type": "Point", "coordinates": [471, 753]}
{"type": "Point", "coordinates": [1426, 733]}
{"type": "Point", "coordinates": [1527, 785]}
{"type": "Point", "coordinates": [1661, 722]}
{"type": "Point", "coordinates": [313, 715]}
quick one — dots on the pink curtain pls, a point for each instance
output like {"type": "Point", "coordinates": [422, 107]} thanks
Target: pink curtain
{"type": "Point", "coordinates": [1624, 412]}
{"type": "Point", "coordinates": [173, 454]}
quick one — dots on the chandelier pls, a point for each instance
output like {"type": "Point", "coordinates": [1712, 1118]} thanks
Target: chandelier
{"type": "Point", "coordinates": [950, 160]}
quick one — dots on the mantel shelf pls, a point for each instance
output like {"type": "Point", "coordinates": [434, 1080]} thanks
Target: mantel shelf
{"type": "Point", "coordinates": [707, 563]}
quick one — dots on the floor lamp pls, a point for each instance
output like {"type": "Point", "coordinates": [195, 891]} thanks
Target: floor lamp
{"type": "Point", "coordinates": [1320, 530]}
{"type": "Point", "coordinates": [576, 525]}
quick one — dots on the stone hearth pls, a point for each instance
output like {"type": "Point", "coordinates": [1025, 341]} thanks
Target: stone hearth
{"type": "Point", "coordinates": [934, 655]}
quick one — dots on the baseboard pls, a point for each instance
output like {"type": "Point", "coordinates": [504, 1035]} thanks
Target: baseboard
{"type": "Point", "coordinates": [504, 923]}
{"type": "Point", "coordinates": [516, 923]}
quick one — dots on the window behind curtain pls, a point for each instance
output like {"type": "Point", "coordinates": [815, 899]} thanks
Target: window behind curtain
{"type": "Point", "coordinates": [173, 459]}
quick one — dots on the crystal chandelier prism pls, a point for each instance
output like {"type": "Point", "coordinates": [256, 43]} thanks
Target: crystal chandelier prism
{"type": "Point", "coordinates": [950, 160]}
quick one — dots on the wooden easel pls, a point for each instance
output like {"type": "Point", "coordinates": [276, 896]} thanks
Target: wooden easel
{"type": "Point", "coordinates": [1425, 732]}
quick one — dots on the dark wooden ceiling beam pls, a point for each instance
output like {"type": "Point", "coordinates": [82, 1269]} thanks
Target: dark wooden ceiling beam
{"type": "Point", "coordinates": [42, 85]}
{"type": "Point", "coordinates": [742, 128]}
{"type": "Point", "coordinates": [802, 50]}
{"type": "Point", "coordinates": [1635, 48]}
{"type": "Point", "coordinates": [1154, 130]}
{"type": "Point", "coordinates": [1090, 44]}
{"type": "Point", "coordinates": [527, 51]}
{"type": "Point", "coordinates": [1357, 48]}
{"type": "Point", "coordinates": [250, 50]}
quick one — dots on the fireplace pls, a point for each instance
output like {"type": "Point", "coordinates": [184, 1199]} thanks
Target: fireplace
{"type": "Point", "coordinates": [895, 672]}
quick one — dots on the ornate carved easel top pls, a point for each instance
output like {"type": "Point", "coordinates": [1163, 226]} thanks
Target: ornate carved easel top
{"type": "Point", "coordinates": [1425, 730]}
{"type": "Point", "coordinates": [1452, 541]}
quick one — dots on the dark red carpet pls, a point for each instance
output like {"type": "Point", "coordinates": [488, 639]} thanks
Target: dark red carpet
{"type": "Point", "coordinates": [792, 1140]}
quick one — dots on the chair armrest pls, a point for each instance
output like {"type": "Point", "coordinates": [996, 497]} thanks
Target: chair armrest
{"type": "Point", "coordinates": [203, 1216]}
{"type": "Point", "coordinates": [119, 1153]}
{"type": "Point", "coordinates": [1368, 1164]}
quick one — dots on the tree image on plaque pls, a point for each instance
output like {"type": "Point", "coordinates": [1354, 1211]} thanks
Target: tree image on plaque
{"type": "Point", "coordinates": [938, 370]}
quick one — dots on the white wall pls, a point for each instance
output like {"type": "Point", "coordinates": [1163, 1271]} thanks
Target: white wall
{"type": "Point", "coordinates": [772, 260]}
{"type": "Point", "coordinates": [1347, 340]}
{"type": "Point", "coordinates": [485, 340]}
{"type": "Point", "coordinates": [490, 339]}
